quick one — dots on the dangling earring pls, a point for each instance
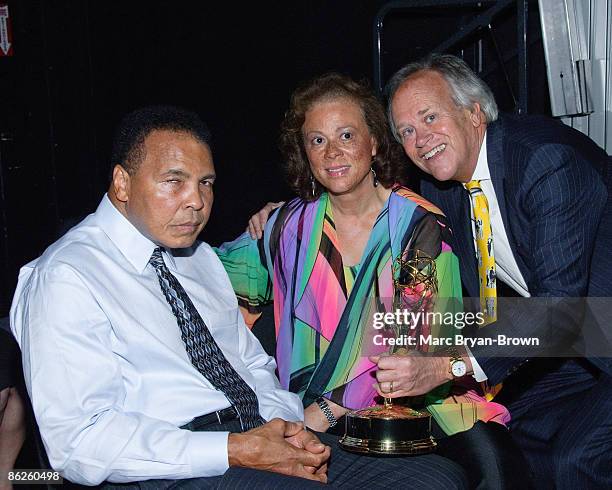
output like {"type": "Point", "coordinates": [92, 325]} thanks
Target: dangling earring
{"type": "Point", "coordinates": [374, 176]}
{"type": "Point", "coordinates": [312, 185]}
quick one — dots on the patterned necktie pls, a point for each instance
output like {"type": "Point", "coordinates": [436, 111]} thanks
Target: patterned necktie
{"type": "Point", "coordinates": [484, 254]}
{"type": "Point", "coordinates": [486, 264]}
{"type": "Point", "coordinates": [203, 351]}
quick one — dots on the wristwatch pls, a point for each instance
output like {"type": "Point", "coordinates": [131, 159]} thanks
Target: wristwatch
{"type": "Point", "coordinates": [326, 411]}
{"type": "Point", "coordinates": [458, 367]}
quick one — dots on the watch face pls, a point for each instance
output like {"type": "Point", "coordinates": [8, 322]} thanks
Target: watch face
{"type": "Point", "coordinates": [459, 368]}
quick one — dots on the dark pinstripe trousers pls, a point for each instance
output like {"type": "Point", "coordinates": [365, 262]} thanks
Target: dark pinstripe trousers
{"type": "Point", "coordinates": [346, 470]}
{"type": "Point", "coordinates": [562, 421]}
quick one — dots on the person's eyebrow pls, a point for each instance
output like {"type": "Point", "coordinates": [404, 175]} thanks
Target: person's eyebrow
{"type": "Point", "coordinates": [337, 130]}
{"type": "Point", "coordinates": [176, 172]}
{"type": "Point", "coordinates": [423, 111]}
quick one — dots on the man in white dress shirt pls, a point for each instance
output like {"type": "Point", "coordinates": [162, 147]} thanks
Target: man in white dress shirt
{"type": "Point", "coordinates": [117, 391]}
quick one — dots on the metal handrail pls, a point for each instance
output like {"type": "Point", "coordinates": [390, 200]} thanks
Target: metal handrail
{"type": "Point", "coordinates": [482, 20]}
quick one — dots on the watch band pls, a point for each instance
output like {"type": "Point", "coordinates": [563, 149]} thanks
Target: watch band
{"type": "Point", "coordinates": [327, 411]}
{"type": "Point", "coordinates": [453, 353]}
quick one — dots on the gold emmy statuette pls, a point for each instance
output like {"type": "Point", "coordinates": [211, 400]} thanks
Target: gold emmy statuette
{"type": "Point", "coordinates": [392, 428]}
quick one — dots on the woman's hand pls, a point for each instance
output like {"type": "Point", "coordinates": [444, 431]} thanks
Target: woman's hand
{"type": "Point", "coordinates": [260, 218]}
{"type": "Point", "coordinates": [315, 419]}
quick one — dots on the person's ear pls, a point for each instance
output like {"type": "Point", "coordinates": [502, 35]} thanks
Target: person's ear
{"type": "Point", "coordinates": [374, 146]}
{"type": "Point", "coordinates": [476, 116]}
{"type": "Point", "coordinates": [121, 183]}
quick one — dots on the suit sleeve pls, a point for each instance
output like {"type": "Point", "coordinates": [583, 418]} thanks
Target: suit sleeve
{"type": "Point", "coordinates": [565, 206]}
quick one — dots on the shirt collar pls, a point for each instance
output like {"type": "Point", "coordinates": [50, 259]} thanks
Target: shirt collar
{"type": "Point", "coordinates": [481, 172]}
{"type": "Point", "coordinates": [134, 246]}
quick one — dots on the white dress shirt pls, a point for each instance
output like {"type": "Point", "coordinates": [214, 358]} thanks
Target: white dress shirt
{"type": "Point", "coordinates": [506, 268]}
{"type": "Point", "coordinates": [106, 369]}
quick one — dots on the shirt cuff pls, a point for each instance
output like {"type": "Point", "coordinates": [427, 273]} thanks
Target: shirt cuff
{"type": "Point", "coordinates": [479, 375]}
{"type": "Point", "coordinates": [281, 404]}
{"type": "Point", "coordinates": [285, 415]}
{"type": "Point", "coordinates": [208, 453]}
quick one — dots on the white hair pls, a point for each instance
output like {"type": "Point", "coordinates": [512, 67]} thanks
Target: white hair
{"type": "Point", "coordinates": [466, 87]}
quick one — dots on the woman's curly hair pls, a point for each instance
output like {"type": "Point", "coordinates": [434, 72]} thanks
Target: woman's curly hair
{"type": "Point", "coordinates": [389, 163]}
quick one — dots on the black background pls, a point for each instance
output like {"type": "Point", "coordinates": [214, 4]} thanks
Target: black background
{"type": "Point", "coordinates": [80, 65]}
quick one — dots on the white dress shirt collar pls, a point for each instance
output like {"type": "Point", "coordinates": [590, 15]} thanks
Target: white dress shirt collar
{"type": "Point", "coordinates": [134, 246]}
{"type": "Point", "coordinates": [481, 172]}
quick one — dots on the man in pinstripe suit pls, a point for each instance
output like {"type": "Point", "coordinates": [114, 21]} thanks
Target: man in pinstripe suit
{"type": "Point", "coordinates": [552, 236]}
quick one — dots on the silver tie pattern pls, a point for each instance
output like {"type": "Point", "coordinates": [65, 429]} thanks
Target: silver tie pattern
{"type": "Point", "coordinates": [203, 351]}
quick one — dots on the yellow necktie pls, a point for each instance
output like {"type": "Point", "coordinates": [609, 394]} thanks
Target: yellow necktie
{"type": "Point", "coordinates": [486, 264]}
{"type": "Point", "coordinates": [484, 254]}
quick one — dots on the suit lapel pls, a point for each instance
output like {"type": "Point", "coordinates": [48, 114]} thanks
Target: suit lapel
{"type": "Point", "coordinates": [495, 160]}
{"type": "Point", "coordinates": [497, 168]}
{"type": "Point", "coordinates": [465, 242]}
{"type": "Point", "coordinates": [454, 201]}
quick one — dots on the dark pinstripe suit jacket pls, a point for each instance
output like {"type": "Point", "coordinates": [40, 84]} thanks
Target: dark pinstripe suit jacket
{"type": "Point", "coordinates": [551, 183]}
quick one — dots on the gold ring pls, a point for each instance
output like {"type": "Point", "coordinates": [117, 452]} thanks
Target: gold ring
{"type": "Point", "coordinates": [390, 386]}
